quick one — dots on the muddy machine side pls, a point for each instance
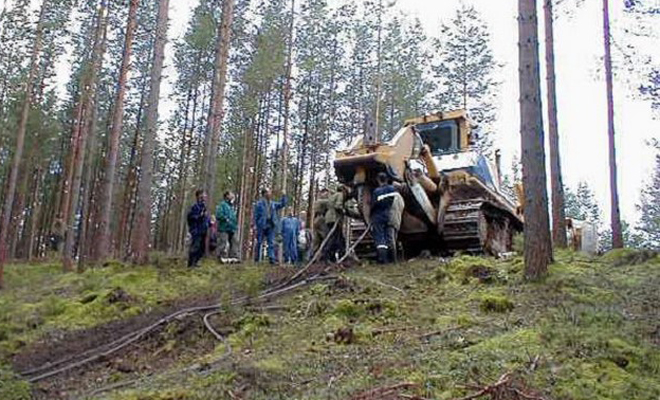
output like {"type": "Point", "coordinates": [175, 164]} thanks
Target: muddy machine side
{"type": "Point", "coordinates": [452, 196]}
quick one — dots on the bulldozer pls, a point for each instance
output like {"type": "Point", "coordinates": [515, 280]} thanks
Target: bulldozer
{"type": "Point", "coordinates": [453, 200]}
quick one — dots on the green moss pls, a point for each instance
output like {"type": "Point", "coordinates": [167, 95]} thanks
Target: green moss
{"type": "Point", "coordinates": [11, 387]}
{"type": "Point", "coordinates": [621, 257]}
{"type": "Point", "coordinates": [348, 309]}
{"type": "Point", "coordinates": [495, 303]}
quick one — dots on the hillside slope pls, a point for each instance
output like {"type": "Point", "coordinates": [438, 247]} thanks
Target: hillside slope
{"type": "Point", "coordinates": [426, 329]}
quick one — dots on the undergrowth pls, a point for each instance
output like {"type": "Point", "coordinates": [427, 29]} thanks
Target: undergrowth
{"type": "Point", "coordinates": [589, 330]}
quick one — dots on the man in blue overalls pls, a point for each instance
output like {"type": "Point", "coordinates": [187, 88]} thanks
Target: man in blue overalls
{"type": "Point", "coordinates": [381, 204]}
{"type": "Point", "coordinates": [267, 223]}
{"type": "Point", "coordinates": [290, 231]}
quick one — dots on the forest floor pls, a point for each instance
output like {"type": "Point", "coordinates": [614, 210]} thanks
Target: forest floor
{"type": "Point", "coordinates": [424, 329]}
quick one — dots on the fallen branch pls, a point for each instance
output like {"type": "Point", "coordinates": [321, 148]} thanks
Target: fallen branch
{"type": "Point", "coordinates": [507, 387]}
{"type": "Point", "coordinates": [377, 332]}
{"type": "Point", "coordinates": [315, 257]}
{"type": "Point", "coordinates": [504, 379]}
{"type": "Point", "coordinates": [377, 393]}
{"type": "Point", "coordinates": [354, 245]}
{"type": "Point", "coordinates": [439, 332]}
{"type": "Point", "coordinates": [383, 284]}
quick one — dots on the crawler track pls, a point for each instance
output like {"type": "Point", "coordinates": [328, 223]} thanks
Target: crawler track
{"type": "Point", "coordinates": [477, 226]}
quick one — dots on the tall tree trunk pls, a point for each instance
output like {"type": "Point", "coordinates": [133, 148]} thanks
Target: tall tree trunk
{"type": "Point", "coordinates": [36, 212]}
{"type": "Point", "coordinates": [82, 124]}
{"type": "Point", "coordinates": [140, 240]}
{"type": "Point", "coordinates": [617, 234]}
{"type": "Point", "coordinates": [556, 182]}
{"type": "Point", "coordinates": [284, 168]}
{"type": "Point", "coordinates": [103, 245]}
{"type": "Point", "coordinates": [20, 140]}
{"type": "Point", "coordinates": [538, 247]}
{"type": "Point", "coordinates": [216, 110]}
{"type": "Point", "coordinates": [88, 185]}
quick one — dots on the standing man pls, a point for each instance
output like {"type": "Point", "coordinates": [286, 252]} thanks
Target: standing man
{"type": "Point", "coordinates": [290, 231]}
{"type": "Point", "coordinates": [396, 215]}
{"type": "Point", "coordinates": [334, 215]}
{"type": "Point", "coordinates": [267, 223]}
{"type": "Point", "coordinates": [381, 205]}
{"type": "Point", "coordinates": [225, 214]}
{"type": "Point", "coordinates": [320, 228]}
{"type": "Point", "coordinates": [198, 225]}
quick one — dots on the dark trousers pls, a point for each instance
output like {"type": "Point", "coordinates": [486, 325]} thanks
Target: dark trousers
{"type": "Point", "coordinates": [197, 249]}
{"type": "Point", "coordinates": [381, 233]}
{"type": "Point", "coordinates": [335, 246]}
{"type": "Point", "coordinates": [265, 235]}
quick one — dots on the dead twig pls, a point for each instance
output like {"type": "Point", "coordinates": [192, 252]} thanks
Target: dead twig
{"type": "Point", "coordinates": [354, 245]}
{"type": "Point", "coordinates": [374, 281]}
{"type": "Point", "coordinates": [377, 332]}
{"type": "Point", "coordinates": [507, 387]}
{"type": "Point", "coordinates": [504, 379]}
{"type": "Point", "coordinates": [436, 333]}
{"type": "Point", "coordinates": [381, 392]}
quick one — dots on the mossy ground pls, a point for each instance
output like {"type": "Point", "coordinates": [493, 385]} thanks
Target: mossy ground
{"type": "Point", "coordinates": [589, 330]}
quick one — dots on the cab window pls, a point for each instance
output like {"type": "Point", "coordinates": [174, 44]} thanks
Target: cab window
{"type": "Point", "coordinates": [442, 137]}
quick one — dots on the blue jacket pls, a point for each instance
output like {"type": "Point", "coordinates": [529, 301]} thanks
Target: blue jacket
{"type": "Point", "coordinates": [291, 228]}
{"type": "Point", "coordinates": [198, 219]}
{"type": "Point", "coordinates": [381, 203]}
{"type": "Point", "coordinates": [266, 213]}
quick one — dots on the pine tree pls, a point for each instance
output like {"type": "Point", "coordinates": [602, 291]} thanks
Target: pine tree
{"type": "Point", "coordinates": [615, 213]}
{"type": "Point", "coordinates": [465, 71]}
{"type": "Point", "coordinates": [649, 207]}
{"type": "Point", "coordinates": [103, 244]}
{"type": "Point", "coordinates": [20, 139]}
{"type": "Point", "coordinates": [538, 247]}
{"type": "Point", "coordinates": [216, 109]}
{"type": "Point", "coordinates": [582, 205]}
{"type": "Point", "coordinates": [140, 241]}
{"type": "Point", "coordinates": [556, 182]}
{"type": "Point", "coordinates": [83, 123]}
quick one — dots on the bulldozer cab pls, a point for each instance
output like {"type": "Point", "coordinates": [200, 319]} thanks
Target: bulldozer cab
{"type": "Point", "coordinates": [444, 132]}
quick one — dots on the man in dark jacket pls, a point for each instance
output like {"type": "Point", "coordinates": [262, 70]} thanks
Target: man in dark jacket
{"type": "Point", "coordinates": [227, 220]}
{"type": "Point", "coordinates": [198, 225]}
{"type": "Point", "coordinates": [267, 223]}
{"type": "Point", "coordinates": [381, 204]}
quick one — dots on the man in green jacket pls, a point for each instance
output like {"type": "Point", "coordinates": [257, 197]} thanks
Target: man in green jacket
{"type": "Point", "coordinates": [225, 214]}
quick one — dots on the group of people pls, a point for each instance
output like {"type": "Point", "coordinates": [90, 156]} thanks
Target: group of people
{"type": "Point", "coordinates": [209, 233]}
{"type": "Point", "coordinates": [332, 209]}
{"type": "Point", "coordinates": [219, 232]}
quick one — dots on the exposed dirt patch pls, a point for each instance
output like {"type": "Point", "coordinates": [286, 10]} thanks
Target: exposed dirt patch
{"type": "Point", "coordinates": [158, 350]}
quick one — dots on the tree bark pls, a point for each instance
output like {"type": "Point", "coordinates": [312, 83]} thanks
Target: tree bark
{"type": "Point", "coordinates": [20, 140]}
{"type": "Point", "coordinates": [82, 125]}
{"type": "Point", "coordinates": [617, 234]}
{"type": "Point", "coordinates": [216, 110]}
{"type": "Point", "coordinates": [538, 247]}
{"type": "Point", "coordinates": [103, 245]}
{"type": "Point", "coordinates": [140, 240]}
{"type": "Point", "coordinates": [556, 181]}
{"type": "Point", "coordinates": [284, 168]}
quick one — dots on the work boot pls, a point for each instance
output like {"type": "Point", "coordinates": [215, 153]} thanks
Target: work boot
{"type": "Point", "coordinates": [392, 256]}
{"type": "Point", "coordinates": [382, 255]}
